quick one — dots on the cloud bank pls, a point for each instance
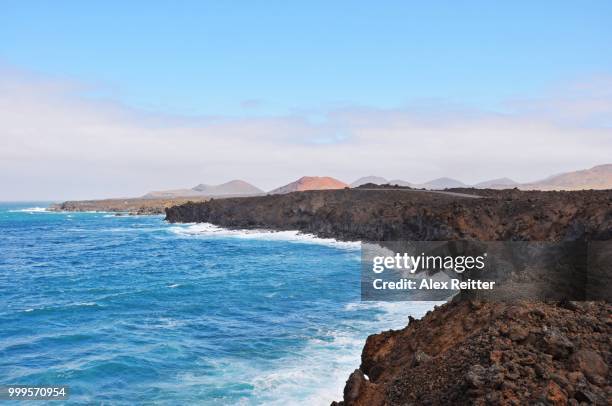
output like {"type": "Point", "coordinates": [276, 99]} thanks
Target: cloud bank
{"type": "Point", "coordinates": [59, 143]}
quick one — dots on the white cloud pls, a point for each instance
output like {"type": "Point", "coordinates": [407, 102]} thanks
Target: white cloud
{"type": "Point", "coordinates": [584, 103]}
{"type": "Point", "coordinates": [58, 144]}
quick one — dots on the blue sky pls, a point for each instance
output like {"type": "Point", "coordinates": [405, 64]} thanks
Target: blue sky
{"type": "Point", "coordinates": [110, 99]}
{"type": "Point", "coordinates": [268, 57]}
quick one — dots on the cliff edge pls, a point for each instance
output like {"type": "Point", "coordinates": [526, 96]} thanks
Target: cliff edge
{"type": "Point", "coordinates": [476, 353]}
{"type": "Point", "coordinates": [418, 215]}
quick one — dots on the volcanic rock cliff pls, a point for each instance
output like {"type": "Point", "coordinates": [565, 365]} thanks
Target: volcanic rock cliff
{"type": "Point", "coordinates": [477, 353]}
{"type": "Point", "coordinates": [393, 214]}
{"type": "Point", "coordinates": [466, 351]}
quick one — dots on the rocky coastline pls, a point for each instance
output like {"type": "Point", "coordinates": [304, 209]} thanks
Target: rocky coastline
{"type": "Point", "coordinates": [484, 353]}
{"type": "Point", "coordinates": [466, 351]}
{"type": "Point", "coordinates": [394, 214]}
{"type": "Point", "coordinates": [131, 206]}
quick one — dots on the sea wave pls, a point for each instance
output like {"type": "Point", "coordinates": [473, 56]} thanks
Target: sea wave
{"type": "Point", "coordinates": [293, 236]}
{"type": "Point", "coordinates": [315, 377]}
{"type": "Point", "coordinates": [60, 307]}
{"type": "Point", "coordinates": [30, 210]}
{"type": "Point", "coordinates": [300, 379]}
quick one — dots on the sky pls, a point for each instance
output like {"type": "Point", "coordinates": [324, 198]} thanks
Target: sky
{"type": "Point", "coordinates": [111, 99]}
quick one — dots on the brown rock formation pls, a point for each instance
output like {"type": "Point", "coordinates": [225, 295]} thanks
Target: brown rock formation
{"type": "Point", "coordinates": [490, 354]}
{"type": "Point", "coordinates": [395, 214]}
{"type": "Point", "coordinates": [132, 206]}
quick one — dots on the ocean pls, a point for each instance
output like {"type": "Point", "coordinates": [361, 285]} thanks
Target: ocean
{"type": "Point", "coordinates": [132, 310]}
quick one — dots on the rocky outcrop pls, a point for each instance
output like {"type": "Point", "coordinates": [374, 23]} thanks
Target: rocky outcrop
{"type": "Point", "coordinates": [490, 354]}
{"type": "Point", "coordinates": [394, 214]}
{"type": "Point", "coordinates": [131, 206]}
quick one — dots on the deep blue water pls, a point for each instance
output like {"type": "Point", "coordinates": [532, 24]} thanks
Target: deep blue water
{"type": "Point", "coordinates": [131, 310]}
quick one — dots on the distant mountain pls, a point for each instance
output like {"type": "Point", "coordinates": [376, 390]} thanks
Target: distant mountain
{"type": "Point", "coordinates": [231, 188]}
{"type": "Point", "coordinates": [400, 182]}
{"type": "Point", "coordinates": [440, 183]}
{"type": "Point", "coordinates": [171, 194]}
{"type": "Point", "coordinates": [310, 183]}
{"type": "Point", "coordinates": [443, 183]}
{"type": "Point", "coordinates": [234, 187]}
{"type": "Point", "coordinates": [500, 183]}
{"type": "Point", "coordinates": [598, 177]}
{"type": "Point", "coordinates": [377, 180]}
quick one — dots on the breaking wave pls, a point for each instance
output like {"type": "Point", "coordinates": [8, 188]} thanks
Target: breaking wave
{"type": "Point", "coordinates": [207, 229]}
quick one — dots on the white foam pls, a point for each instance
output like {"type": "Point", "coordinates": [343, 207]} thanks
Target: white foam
{"type": "Point", "coordinates": [207, 229]}
{"type": "Point", "coordinates": [300, 380]}
{"type": "Point", "coordinates": [105, 212]}
{"type": "Point", "coordinates": [29, 210]}
{"type": "Point", "coordinates": [61, 306]}
{"type": "Point", "coordinates": [315, 374]}
{"type": "Point", "coordinates": [131, 229]}
{"type": "Point", "coordinates": [121, 214]}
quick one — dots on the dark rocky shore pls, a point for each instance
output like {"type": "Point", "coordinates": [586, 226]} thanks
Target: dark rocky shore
{"type": "Point", "coordinates": [395, 214]}
{"type": "Point", "coordinates": [133, 206]}
{"type": "Point", "coordinates": [467, 351]}
{"type": "Point", "coordinates": [477, 353]}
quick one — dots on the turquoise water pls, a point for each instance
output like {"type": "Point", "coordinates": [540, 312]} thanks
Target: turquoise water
{"type": "Point", "coordinates": [131, 310]}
